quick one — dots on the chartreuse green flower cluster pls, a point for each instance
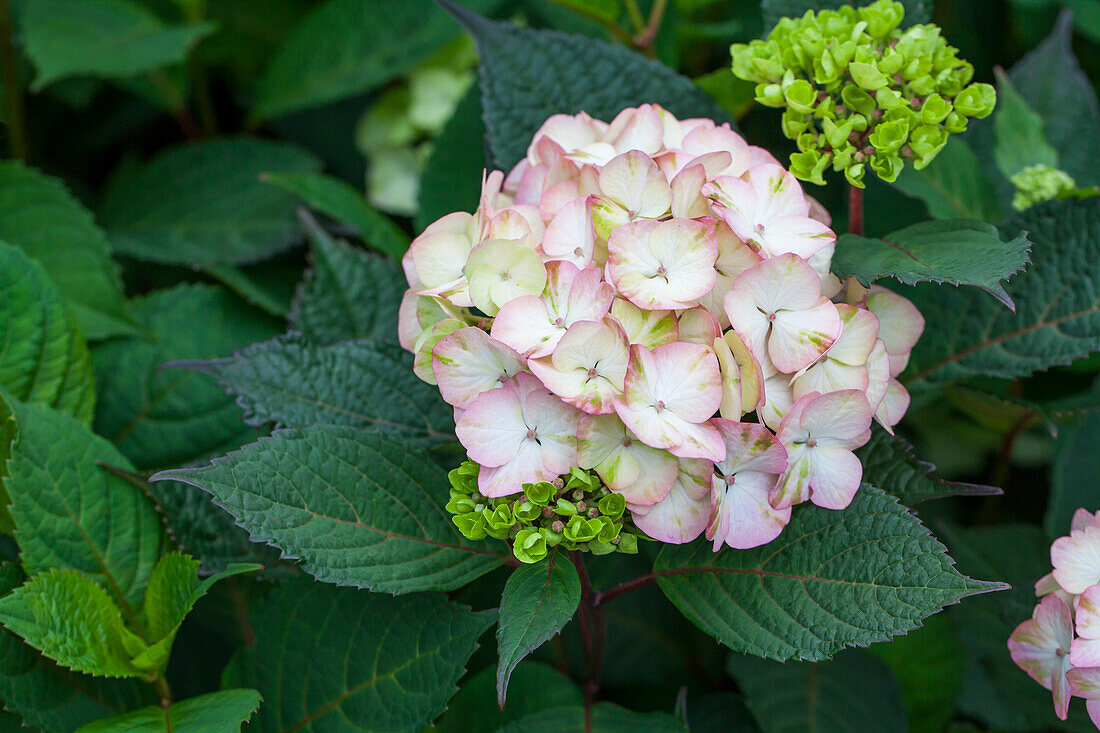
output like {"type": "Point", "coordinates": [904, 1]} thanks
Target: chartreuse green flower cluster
{"type": "Point", "coordinates": [1038, 183]}
{"type": "Point", "coordinates": [858, 92]}
{"type": "Point", "coordinates": [576, 512]}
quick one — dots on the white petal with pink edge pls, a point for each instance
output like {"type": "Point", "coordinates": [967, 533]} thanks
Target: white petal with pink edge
{"type": "Point", "coordinates": [643, 475]}
{"type": "Point", "coordinates": [469, 362]}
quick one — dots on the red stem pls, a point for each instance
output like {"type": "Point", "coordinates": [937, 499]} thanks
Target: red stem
{"type": "Point", "coordinates": [593, 635]}
{"type": "Point", "coordinates": [855, 210]}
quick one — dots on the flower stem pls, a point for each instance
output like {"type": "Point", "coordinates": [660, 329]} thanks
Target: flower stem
{"type": "Point", "coordinates": [593, 629]}
{"type": "Point", "coordinates": [856, 292]}
{"type": "Point", "coordinates": [645, 39]}
{"type": "Point", "coordinates": [612, 27]}
{"type": "Point", "coordinates": [164, 692]}
{"type": "Point", "coordinates": [635, 15]}
{"type": "Point", "coordinates": [13, 91]}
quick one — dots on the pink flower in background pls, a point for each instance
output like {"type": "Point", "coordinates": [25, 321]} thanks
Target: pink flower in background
{"type": "Point", "coordinates": [1040, 647]}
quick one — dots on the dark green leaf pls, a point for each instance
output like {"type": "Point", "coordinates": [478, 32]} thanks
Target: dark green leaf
{"type": "Point", "coordinates": [43, 356]}
{"type": "Point", "coordinates": [1057, 307]}
{"type": "Point", "coordinates": [72, 620]}
{"type": "Point", "coordinates": [398, 658]}
{"type": "Point", "coordinates": [733, 95]}
{"type": "Point", "coordinates": [528, 75]}
{"type": "Point", "coordinates": [343, 203]}
{"type": "Point", "coordinates": [217, 712]}
{"type": "Point", "coordinates": [889, 463]}
{"type": "Point", "coordinates": [348, 294]}
{"type": "Point", "coordinates": [1018, 132]}
{"type": "Point", "coordinates": [1075, 475]}
{"type": "Point", "coordinates": [49, 697]}
{"type": "Point", "coordinates": [535, 686]}
{"type": "Point", "coordinates": [953, 185]}
{"type": "Point", "coordinates": [538, 601]}
{"type": "Point", "coordinates": [204, 203]}
{"type": "Point", "coordinates": [270, 295]}
{"type": "Point", "coordinates": [108, 38]}
{"type": "Point", "coordinates": [1052, 82]}
{"type": "Point", "coordinates": [457, 160]}
{"type": "Point", "coordinates": [854, 693]}
{"type": "Point", "coordinates": [834, 579]}
{"type": "Point", "coordinates": [956, 251]}
{"type": "Point", "coordinates": [719, 712]}
{"type": "Point", "coordinates": [345, 48]}
{"type": "Point", "coordinates": [72, 513]}
{"type": "Point", "coordinates": [916, 11]}
{"type": "Point", "coordinates": [295, 383]}
{"type": "Point", "coordinates": [39, 215]}
{"type": "Point", "coordinates": [606, 718]}
{"type": "Point", "coordinates": [165, 417]}
{"type": "Point", "coordinates": [355, 506]}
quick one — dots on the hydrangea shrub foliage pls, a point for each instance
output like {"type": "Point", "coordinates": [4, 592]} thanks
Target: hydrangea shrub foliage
{"type": "Point", "coordinates": [621, 416]}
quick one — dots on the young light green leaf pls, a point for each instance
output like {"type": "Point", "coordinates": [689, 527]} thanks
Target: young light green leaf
{"type": "Point", "coordinates": [337, 199]}
{"type": "Point", "coordinates": [535, 686]}
{"type": "Point", "coordinates": [835, 579]}
{"type": "Point", "coordinates": [1057, 315]}
{"type": "Point", "coordinates": [1074, 475]}
{"type": "Point", "coordinates": [43, 356]}
{"type": "Point", "coordinates": [72, 620]}
{"type": "Point", "coordinates": [160, 417]}
{"type": "Point", "coordinates": [956, 251]}
{"type": "Point", "coordinates": [217, 712]}
{"type": "Point", "coordinates": [347, 294]}
{"type": "Point", "coordinates": [888, 462]}
{"type": "Point", "coordinates": [72, 513]}
{"type": "Point", "coordinates": [357, 507]}
{"type": "Point", "coordinates": [1018, 133]}
{"type": "Point", "coordinates": [527, 75]}
{"type": "Point", "coordinates": [916, 11]}
{"type": "Point", "coordinates": [606, 718]}
{"type": "Point", "coordinates": [48, 697]}
{"type": "Point", "coordinates": [106, 38]}
{"type": "Point", "coordinates": [173, 590]}
{"type": "Point", "coordinates": [295, 383]}
{"type": "Point", "coordinates": [538, 601]}
{"type": "Point", "coordinates": [399, 658]}
{"type": "Point", "coordinates": [456, 163]}
{"type": "Point", "coordinates": [953, 185]}
{"type": "Point", "coordinates": [41, 217]}
{"type": "Point", "coordinates": [854, 693]}
{"type": "Point", "coordinates": [349, 47]}
{"type": "Point", "coordinates": [1052, 82]}
{"type": "Point", "coordinates": [204, 203]}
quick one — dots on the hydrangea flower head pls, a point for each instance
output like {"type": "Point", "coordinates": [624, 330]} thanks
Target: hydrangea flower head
{"type": "Point", "coordinates": [640, 316]}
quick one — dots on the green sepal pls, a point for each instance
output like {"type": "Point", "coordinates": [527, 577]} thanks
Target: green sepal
{"type": "Point", "coordinates": [529, 546]}
{"type": "Point", "coordinates": [935, 109]}
{"type": "Point", "coordinates": [539, 493]}
{"type": "Point", "coordinates": [977, 100]}
{"type": "Point", "coordinates": [613, 505]}
{"type": "Point", "coordinates": [472, 525]}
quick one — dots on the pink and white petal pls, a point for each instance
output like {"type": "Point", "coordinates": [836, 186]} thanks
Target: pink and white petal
{"type": "Point", "coordinates": [749, 447]}
{"type": "Point", "coordinates": [799, 337]}
{"type": "Point", "coordinates": [778, 400]}
{"type": "Point", "coordinates": [644, 327]}
{"type": "Point", "coordinates": [642, 474]}
{"type": "Point", "coordinates": [469, 362]}
{"type": "Point", "coordinates": [687, 380]}
{"type": "Point", "coordinates": [589, 299]}
{"type": "Point", "coordinates": [524, 324]}
{"type": "Point", "coordinates": [438, 257]}
{"type": "Point", "coordinates": [731, 405]}
{"type": "Point", "coordinates": [633, 181]}
{"type": "Point", "coordinates": [686, 250]}
{"type": "Point", "coordinates": [557, 197]}
{"type": "Point", "coordinates": [409, 327]}
{"type": "Point", "coordinates": [1076, 559]}
{"type": "Point", "coordinates": [830, 376]}
{"type": "Point", "coordinates": [1046, 584]}
{"type": "Point", "coordinates": [1083, 518]}
{"type": "Point", "coordinates": [508, 479]}
{"type": "Point", "coordinates": [1087, 615]}
{"type": "Point", "coordinates": [893, 406]}
{"type": "Point", "coordinates": [1085, 652]}
{"type": "Point", "coordinates": [835, 474]}
{"type": "Point", "coordinates": [699, 326]}
{"type": "Point", "coordinates": [785, 282]}
{"type": "Point", "coordinates": [843, 416]}
{"type": "Point", "coordinates": [682, 515]}
{"type": "Point", "coordinates": [799, 235]}
{"type": "Point", "coordinates": [858, 334]}
{"type": "Point", "coordinates": [751, 325]}
{"type": "Point", "coordinates": [736, 202]}
{"type": "Point", "coordinates": [901, 322]}
{"type": "Point", "coordinates": [637, 129]}
{"type": "Point", "coordinates": [752, 374]}
{"type": "Point", "coordinates": [570, 235]}
{"type": "Point", "coordinates": [687, 201]}
{"type": "Point", "coordinates": [705, 137]}
{"type": "Point", "coordinates": [567, 131]}
{"type": "Point", "coordinates": [492, 428]}
{"type": "Point", "coordinates": [422, 356]}
{"type": "Point", "coordinates": [1035, 643]}
{"type": "Point", "coordinates": [652, 426]}
{"type": "Point", "coordinates": [747, 519]}
{"type": "Point", "coordinates": [1085, 682]}
{"type": "Point", "coordinates": [793, 486]}
{"type": "Point", "coordinates": [698, 440]}
{"type": "Point", "coordinates": [500, 270]}
{"type": "Point", "coordinates": [778, 191]}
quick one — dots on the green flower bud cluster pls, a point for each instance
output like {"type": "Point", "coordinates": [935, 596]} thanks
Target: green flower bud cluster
{"type": "Point", "coordinates": [574, 512]}
{"type": "Point", "coordinates": [858, 92]}
{"type": "Point", "coordinates": [1038, 183]}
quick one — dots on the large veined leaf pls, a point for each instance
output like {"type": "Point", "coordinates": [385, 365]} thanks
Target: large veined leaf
{"type": "Point", "coordinates": [164, 417]}
{"type": "Point", "coordinates": [535, 687]}
{"type": "Point", "coordinates": [108, 38]}
{"type": "Point", "coordinates": [956, 251]}
{"type": "Point", "coordinates": [216, 712]}
{"type": "Point", "coordinates": [916, 11]}
{"type": "Point", "coordinates": [347, 294]}
{"type": "Point", "coordinates": [834, 579]}
{"type": "Point", "coordinates": [1057, 315]}
{"type": "Point", "coordinates": [854, 693]}
{"type": "Point", "coordinates": [41, 217]}
{"type": "Point", "coordinates": [295, 383]}
{"type": "Point", "coordinates": [204, 203]}
{"type": "Point", "coordinates": [398, 658]}
{"type": "Point", "coordinates": [953, 185]}
{"type": "Point", "coordinates": [51, 698]}
{"type": "Point", "coordinates": [1074, 475]}
{"type": "Point", "coordinates": [43, 356]}
{"type": "Point", "coordinates": [1052, 82]}
{"type": "Point", "coordinates": [73, 621]}
{"type": "Point", "coordinates": [71, 512]}
{"type": "Point", "coordinates": [888, 461]}
{"type": "Point", "coordinates": [357, 507]}
{"type": "Point", "coordinates": [337, 199]}
{"type": "Point", "coordinates": [349, 47]}
{"type": "Point", "coordinates": [528, 75]}
{"type": "Point", "coordinates": [538, 601]}
{"type": "Point", "coordinates": [606, 718]}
